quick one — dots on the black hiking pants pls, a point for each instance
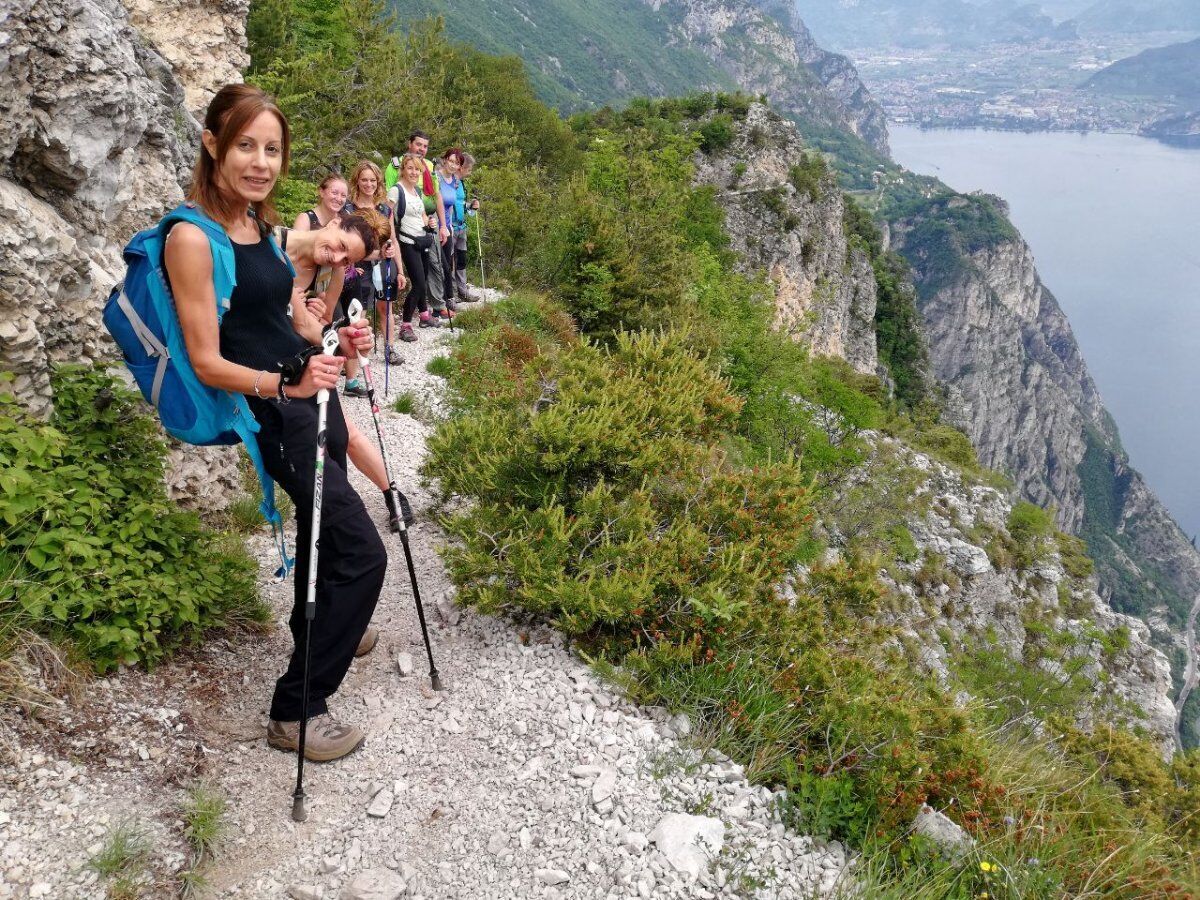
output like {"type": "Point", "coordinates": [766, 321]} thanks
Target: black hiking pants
{"type": "Point", "coordinates": [416, 267]}
{"type": "Point", "coordinates": [351, 560]}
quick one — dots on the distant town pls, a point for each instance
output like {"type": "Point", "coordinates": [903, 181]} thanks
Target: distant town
{"type": "Point", "coordinates": [1020, 86]}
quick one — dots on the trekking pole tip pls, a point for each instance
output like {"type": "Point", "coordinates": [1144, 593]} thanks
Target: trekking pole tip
{"type": "Point", "coordinates": [436, 680]}
{"type": "Point", "coordinates": [299, 813]}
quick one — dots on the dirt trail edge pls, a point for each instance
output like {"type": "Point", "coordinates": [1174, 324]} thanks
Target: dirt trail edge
{"type": "Point", "coordinates": [527, 777]}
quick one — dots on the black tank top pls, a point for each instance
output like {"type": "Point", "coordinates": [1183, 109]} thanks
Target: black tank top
{"type": "Point", "coordinates": [313, 222]}
{"type": "Point", "coordinates": [257, 330]}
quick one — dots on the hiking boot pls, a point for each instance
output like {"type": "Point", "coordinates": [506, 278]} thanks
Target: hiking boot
{"type": "Point", "coordinates": [393, 358]}
{"type": "Point", "coordinates": [368, 641]}
{"type": "Point", "coordinates": [355, 388]}
{"type": "Point", "coordinates": [325, 740]}
{"type": "Point", "coordinates": [406, 333]}
{"type": "Point", "coordinates": [467, 295]}
{"type": "Point", "coordinates": [429, 321]}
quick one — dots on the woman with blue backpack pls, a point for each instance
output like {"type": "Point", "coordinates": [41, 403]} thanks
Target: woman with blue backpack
{"type": "Point", "coordinates": [253, 350]}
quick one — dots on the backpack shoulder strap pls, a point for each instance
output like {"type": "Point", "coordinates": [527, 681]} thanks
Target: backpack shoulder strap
{"type": "Point", "coordinates": [313, 222]}
{"type": "Point", "coordinates": [224, 267]}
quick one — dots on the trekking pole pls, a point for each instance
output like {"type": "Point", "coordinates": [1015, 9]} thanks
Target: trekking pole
{"type": "Point", "coordinates": [387, 346]}
{"type": "Point", "coordinates": [330, 346]}
{"type": "Point", "coordinates": [479, 247]}
{"type": "Point", "coordinates": [355, 312]}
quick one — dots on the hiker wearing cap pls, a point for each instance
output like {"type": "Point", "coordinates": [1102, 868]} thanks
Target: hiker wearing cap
{"type": "Point", "coordinates": [254, 350]}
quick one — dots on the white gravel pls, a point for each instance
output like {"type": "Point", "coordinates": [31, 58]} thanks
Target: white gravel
{"type": "Point", "coordinates": [527, 777]}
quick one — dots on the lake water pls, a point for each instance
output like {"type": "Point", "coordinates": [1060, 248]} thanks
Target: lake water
{"type": "Point", "coordinates": [1114, 223]}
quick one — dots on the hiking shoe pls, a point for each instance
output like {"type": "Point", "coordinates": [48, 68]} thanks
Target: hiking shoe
{"type": "Point", "coordinates": [368, 641]}
{"type": "Point", "coordinates": [325, 740]}
{"type": "Point", "coordinates": [355, 388]}
{"type": "Point", "coordinates": [467, 296]}
{"type": "Point", "coordinates": [393, 358]}
{"type": "Point", "coordinates": [406, 333]}
{"type": "Point", "coordinates": [428, 321]}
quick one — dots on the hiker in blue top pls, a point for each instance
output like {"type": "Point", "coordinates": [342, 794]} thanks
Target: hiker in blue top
{"type": "Point", "coordinates": [254, 350]}
{"type": "Point", "coordinates": [453, 198]}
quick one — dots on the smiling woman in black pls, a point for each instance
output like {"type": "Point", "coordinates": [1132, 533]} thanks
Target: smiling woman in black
{"type": "Point", "coordinates": [245, 148]}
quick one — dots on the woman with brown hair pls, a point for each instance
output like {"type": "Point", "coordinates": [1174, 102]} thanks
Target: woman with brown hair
{"type": "Point", "coordinates": [255, 351]}
{"type": "Point", "coordinates": [367, 194]}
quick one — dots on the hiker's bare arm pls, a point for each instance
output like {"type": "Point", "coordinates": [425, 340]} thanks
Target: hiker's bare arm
{"type": "Point", "coordinates": [332, 293]}
{"type": "Point", "coordinates": [305, 323]}
{"type": "Point", "coordinates": [190, 266]}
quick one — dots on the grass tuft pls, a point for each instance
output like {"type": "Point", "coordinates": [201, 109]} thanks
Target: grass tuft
{"type": "Point", "coordinates": [405, 403]}
{"type": "Point", "coordinates": [440, 366]}
{"type": "Point", "coordinates": [123, 860]}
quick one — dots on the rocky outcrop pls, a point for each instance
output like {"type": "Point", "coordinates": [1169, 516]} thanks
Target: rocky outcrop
{"type": "Point", "coordinates": [960, 600]}
{"type": "Point", "coordinates": [95, 143]}
{"type": "Point", "coordinates": [1018, 385]}
{"type": "Point", "coordinates": [767, 50]}
{"type": "Point", "coordinates": [824, 287]}
{"type": "Point", "coordinates": [203, 40]}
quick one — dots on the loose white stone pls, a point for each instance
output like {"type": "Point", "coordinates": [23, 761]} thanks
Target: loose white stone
{"type": "Point", "coordinates": [374, 884]}
{"type": "Point", "coordinates": [552, 876]}
{"type": "Point", "coordinates": [404, 663]}
{"type": "Point", "coordinates": [688, 842]}
{"type": "Point", "coordinates": [381, 805]}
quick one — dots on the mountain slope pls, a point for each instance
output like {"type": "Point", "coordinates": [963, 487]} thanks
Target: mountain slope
{"type": "Point", "coordinates": [586, 55]}
{"type": "Point", "coordinates": [1164, 73]}
{"type": "Point", "coordinates": [1139, 16]}
{"type": "Point", "coordinates": [925, 23]}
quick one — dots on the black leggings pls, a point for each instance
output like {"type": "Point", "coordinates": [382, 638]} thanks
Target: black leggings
{"type": "Point", "coordinates": [417, 269]}
{"type": "Point", "coordinates": [452, 262]}
{"type": "Point", "coordinates": [352, 558]}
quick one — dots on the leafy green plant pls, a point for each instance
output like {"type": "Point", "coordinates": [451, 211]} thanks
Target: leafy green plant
{"type": "Point", "coordinates": [94, 551]}
{"type": "Point", "coordinates": [441, 366]}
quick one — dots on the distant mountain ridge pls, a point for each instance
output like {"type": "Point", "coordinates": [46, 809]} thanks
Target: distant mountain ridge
{"type": "Point", "coordinates": [1140, 16]}
{"type": "Point", "coordinates": [926, 23]}
{"type": "Point", "coordinates": [1163, 73]}
{"type": "Point", "coordinates": [582, 55]}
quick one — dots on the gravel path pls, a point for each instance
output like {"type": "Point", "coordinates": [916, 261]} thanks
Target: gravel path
{"type": "Point", "coordinates": [527, 777]}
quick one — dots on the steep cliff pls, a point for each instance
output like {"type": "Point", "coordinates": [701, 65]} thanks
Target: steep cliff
{"type": "Point", "coordinates": [767, 50]}
{"type": "Point", "coordinates": [1019, 386]}
{"type": "Point", "coordinates": [969, 602]}
{"type": "Point", "coordinates": [824, 288]}
{"type": "Point", "coordinates": [584, 55]}
{"type": "Point", "coordinates": [95, 143]}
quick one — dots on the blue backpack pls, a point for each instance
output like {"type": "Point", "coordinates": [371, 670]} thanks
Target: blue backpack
{"type": "Point", "coordinates": [140, 315]}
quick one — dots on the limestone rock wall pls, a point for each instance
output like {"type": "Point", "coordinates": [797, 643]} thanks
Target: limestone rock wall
{"type": "Point", "coordinates": [1018, 385]}
{"type": "Point", "coordinates": [96, 141]}
{"type": "Point", "coordinates": [767, 49]}
{"type": "Point", "coordinates": [977, 604]}
{"type": "Point", "coordinates": [824, 288]}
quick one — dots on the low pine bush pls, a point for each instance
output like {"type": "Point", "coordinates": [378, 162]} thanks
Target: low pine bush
{"type": "Point", "coordinates": [91, 549]}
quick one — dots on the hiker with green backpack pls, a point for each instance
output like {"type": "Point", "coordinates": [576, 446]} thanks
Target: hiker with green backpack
{"type": "Point", "coordinates": [233, 314]}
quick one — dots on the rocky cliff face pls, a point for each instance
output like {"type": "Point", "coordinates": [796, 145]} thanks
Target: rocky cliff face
{"type": "Point", "coordinates": [824, 288]}
{"type": "Point", "coordinates": [961, 608]}
{"type": "Point", "coordinates": [1019, 386]}
{"type": "Point", "coordinates": [96, 140]}
{"type": "Point", "coordinates": [767, 50]}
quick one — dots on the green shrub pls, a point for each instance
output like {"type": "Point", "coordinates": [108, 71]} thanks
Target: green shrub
{"type": "Point", "coordinates": [808, 174]}
{"type": "Point", "coordinates": [1032, 529]}
{"type": "Point", "coordinates": [90, 547]}
{"type": "Point", "coordinates": [716, 134]}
